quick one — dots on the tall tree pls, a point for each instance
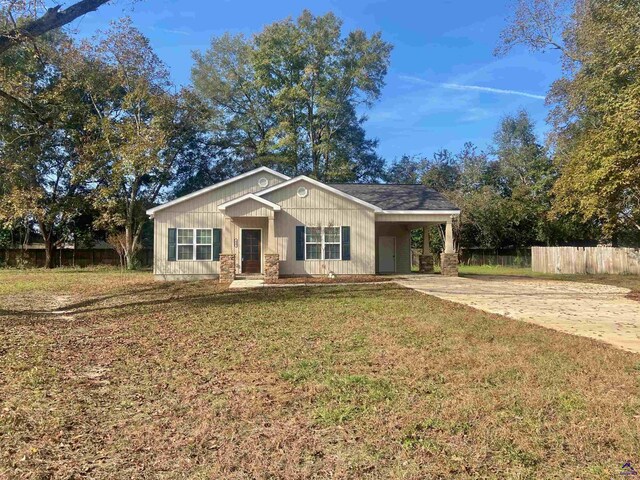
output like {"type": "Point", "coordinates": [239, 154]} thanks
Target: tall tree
{"type": "Point", "coordinates": [135, 137]}
{"type": "Point", "coordinates": [523, 161]}
{"type": "Point", "coordinates": [596, 104]}
{"type": "Point", "coordinates": [408, 169]}
{"type": "Point", "coordinates": [39, 146]}
{"type": "Point", "coordinates": [289, 96]}
{"type": "Point", "coordinates": [239, 112]}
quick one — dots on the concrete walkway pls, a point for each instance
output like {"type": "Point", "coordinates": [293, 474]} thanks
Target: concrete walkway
{"type": "Point", "coordinates": [247, 283]}
{"type": "Point", "coordinates": [596, 311]}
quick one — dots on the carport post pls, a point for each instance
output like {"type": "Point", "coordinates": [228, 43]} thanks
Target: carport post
{"type": "Point", "coordinates": [449, 259]}
{"type": "Point", "coordinates": [448, 235]}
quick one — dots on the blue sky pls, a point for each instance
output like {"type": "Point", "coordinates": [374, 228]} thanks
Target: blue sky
{"type": "Point", "coordinates": [444, 85]}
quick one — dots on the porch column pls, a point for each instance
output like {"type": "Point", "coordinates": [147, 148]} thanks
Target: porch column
{"type": "Point", "coordinates": [448, 235]}
{"type": "Point", "coordinates": [271, 234]}
{"type": "Point", "coordinates": [449, 259]}
{"type": "Point", "coordinates": [271, 257]}
{"type": "Point", "coordinates": [227, 258]}
{"type": "Point", "coordinates": [227, 236]}
{"type": "Point", "coordinates": [426, 259]}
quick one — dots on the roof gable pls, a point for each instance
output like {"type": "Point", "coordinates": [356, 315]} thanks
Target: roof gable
{"type": "Point", "coordinates": [322, 186]}
{"type": "Point", "coordinates": [215, 186]}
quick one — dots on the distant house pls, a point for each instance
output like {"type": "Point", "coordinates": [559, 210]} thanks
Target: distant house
{"type": "Point", "coordinates": [265, 223]}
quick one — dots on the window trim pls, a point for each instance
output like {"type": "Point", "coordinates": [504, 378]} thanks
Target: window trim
{"type": "Point", "coordinates": [322, 243]}
{"type": "Point", "coordinates": [194, 243]}
{"type": "Point", "coordinates": [339, 243]}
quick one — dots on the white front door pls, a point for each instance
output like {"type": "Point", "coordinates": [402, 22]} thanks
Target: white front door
{"type": "Point", "coordinates": [387, 254]}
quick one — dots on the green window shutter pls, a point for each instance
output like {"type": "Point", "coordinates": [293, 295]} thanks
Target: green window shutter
{"type": "Point", "coordinates": [217, 243]}
{"type": "Point", "coordinates": [171, 254]}
{"type": "Point", "coordinates": [300, 242]}
{"type": "Point", "coordinates": [346, 243]}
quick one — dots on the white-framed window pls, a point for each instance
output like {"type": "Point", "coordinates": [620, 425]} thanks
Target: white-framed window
{"type": "Point", "coordinates": [322, 243]}
{"type": "Point", "coordinates": [313, 243]}
{"type": "Point", "coordinates": [185, 244]}
{"type": "Point", "coordinates": [331, 243]}
{"type": "Point", "coordinates": [204, 244]}
{"type": "Point", "coordinates": [194, 244]}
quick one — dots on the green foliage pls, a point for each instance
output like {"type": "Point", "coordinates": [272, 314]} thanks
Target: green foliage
{"type": "Point", "coordinates": [139, 131]}
{"type": "Point", "coordinates": [5, 238]}
{"type": "Point", "coordinates": [42, 119]}
{"type": "Point", "coordinates": [288, 97]}
{"type": "Point", "coordinates": [504, 195]}
{"type": "Point", "coordinates": [596, 117]}
{"type": "Point", "coordinates": [596, 106]}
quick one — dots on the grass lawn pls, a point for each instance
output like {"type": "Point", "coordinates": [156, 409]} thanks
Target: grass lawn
{"type": "Point", "coordinates": [106, 375]}
{"type": "Point", "coordinates": [631, 282]}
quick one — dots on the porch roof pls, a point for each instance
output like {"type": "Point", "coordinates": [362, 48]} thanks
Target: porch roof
{"type": "Point", "coordinates": [250, 196]}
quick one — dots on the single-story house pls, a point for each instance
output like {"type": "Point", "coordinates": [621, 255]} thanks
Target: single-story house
{"type": "Point", "coordinates": [265, 223]}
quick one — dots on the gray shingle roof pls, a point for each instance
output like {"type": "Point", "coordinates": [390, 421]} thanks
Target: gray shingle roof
{"type": "Point", "coordinates": [397, 197]}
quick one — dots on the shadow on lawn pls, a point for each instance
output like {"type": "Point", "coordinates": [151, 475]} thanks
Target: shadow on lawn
{"type": "Point", "coordinates": [174, 296]}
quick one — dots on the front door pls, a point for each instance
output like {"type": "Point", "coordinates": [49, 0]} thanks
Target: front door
{"type": "Point", "coordinates": [387, 254]}
{"type": "Point", "coordinates": [251, 240]}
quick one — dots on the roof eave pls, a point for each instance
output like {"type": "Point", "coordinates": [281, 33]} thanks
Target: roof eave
{"type": "Point", "coordinates": [249, 196]}
{"type": "Point", "coordinates": [420, 212]}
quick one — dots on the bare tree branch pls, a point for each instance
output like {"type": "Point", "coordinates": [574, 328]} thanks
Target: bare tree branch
{"type": "Point", "coordinates": [53, 18]}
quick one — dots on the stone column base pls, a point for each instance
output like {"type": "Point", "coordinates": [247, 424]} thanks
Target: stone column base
{"type": "Point", "coordinates": [426, 263]}
{"type": "Point", "coordinates": [271, 267]}
{"type": "Point", "coordinates": [449, 264]}
{"type": "Point", "coordinates": [227, 267]}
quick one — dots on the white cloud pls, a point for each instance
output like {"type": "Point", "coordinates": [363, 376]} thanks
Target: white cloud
{"type": "Point", "coordinates": [477, 88]}
{"type": "Point", "coordinates": [499, 91]}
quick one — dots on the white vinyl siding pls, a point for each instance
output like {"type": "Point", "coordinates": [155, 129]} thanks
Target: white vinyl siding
{"type": "Point", "coordinates": [321, 207]}
{"type": "Point", "coordinates": [198, 212]}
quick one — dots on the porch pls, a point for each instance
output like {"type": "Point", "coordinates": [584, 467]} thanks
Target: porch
{"type": "Point", "coordinates": [248, 239]}
{"type": "Point", "coordinates": [393, 243]}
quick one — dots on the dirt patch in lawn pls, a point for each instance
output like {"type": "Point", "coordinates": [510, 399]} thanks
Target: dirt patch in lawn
{"type": "Point", "coordinates": [337, 280]}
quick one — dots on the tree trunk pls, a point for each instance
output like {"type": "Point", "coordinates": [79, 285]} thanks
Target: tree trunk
{"type": "Point", "coordinates": [49, 245]}
{"type": "Point", "coordinates": [131, 245]}
{"type": "Point", "coordinates": [49, 252]}
{"type": "Point", "coordinates": [129, 248]}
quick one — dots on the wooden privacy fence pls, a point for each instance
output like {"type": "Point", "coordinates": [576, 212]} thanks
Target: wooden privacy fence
{"type": "Point", "coordinates": [480, 257]}
{"type": "Point", "coordinates": [81, 257]}
{"type": "Point", "coordinates": [568, 260]}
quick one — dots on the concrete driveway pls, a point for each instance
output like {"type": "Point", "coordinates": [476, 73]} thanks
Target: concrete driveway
{"type": "Point", "coordinates": [596, 311]}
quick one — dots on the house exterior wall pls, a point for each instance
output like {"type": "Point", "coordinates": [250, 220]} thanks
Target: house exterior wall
{"type": "Point", "coordinates": [198, 212]}
{"type": "Point", "coordinates": [402, 233]}
{"type": "Point", "coordinates": [322, 208]}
